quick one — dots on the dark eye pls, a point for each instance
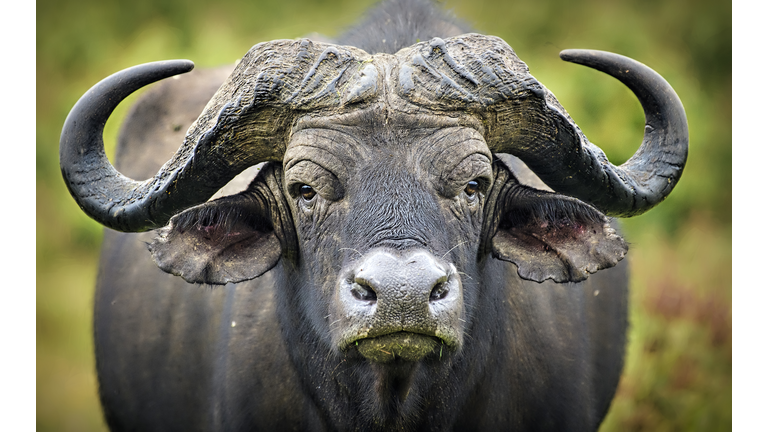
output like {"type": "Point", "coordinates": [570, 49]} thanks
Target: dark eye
{"type": "Point", "coordinates": [472, 188]}
{"type": "Point", "coordinates": [307, 192]}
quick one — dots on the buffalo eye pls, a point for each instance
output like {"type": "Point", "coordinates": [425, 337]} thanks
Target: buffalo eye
{"type": "Point", "coordinates": [472, 188]}
{"type": "Point", "coordinates": [307, 193]}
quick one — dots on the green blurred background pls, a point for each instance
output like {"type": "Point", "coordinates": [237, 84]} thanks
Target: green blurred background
{"type": "Point", "coordinates": [678, 368]}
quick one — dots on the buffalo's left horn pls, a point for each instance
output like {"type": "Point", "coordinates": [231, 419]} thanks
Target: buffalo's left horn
{"type": "Point", "coordinates": [203, 164]}
{"type": "Point", "coordinates": [567, 162]}
{"type": "Point", "coordinates": [246, 122]}
{"type": "Point", "coordinates": [99, 189]}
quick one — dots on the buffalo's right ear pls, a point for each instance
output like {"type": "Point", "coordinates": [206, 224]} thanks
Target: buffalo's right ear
{"type": "Point", "coordinates": [227, 240]}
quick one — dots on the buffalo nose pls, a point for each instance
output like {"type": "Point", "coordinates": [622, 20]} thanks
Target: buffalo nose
{"type": "Point", "coordinates": [405, 283]}
{"type": "Point", "coordinates": [400, 303]}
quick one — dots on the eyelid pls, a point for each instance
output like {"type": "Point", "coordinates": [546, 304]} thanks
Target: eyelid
{"type": "Point", "coordinates": [305, 172]}
{"type": "Point", "coordinates": [475, 166]}
{"type": "Point", "coordinates": [315, 145]}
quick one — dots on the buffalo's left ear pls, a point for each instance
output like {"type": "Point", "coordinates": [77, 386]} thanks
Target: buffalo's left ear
{"type": "Point", "coordinates": [552, 236]}
{"type": "Point", "coordinates": [227, 240]}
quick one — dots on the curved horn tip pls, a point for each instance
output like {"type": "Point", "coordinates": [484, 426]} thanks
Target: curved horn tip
{"type": "Point", "coordinates": [575, 54]}
{"type": "Point", "coordinates": [82, 159]}
{"type": "Point", "coordinates": [155, 71]}
{"type": "Point", "coordinates": [657, 165]}
{"type": "Point", "coordinates": [175, 67]}
{"type": "Point", "coordinates": [595, 59]}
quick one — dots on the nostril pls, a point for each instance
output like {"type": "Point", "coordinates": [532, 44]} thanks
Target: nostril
{"type": "Point", "coordinates": [439, 291]}
{"type": "Point", "coordinates": [363, 292]}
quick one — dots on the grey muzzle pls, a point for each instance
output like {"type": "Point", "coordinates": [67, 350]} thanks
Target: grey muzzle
{"type": "Point", "coordinates": [399, 305]}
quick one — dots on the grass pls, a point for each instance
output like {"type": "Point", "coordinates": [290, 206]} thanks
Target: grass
{"type": "Point", "coordinates": [66, 379]}
{"type": "Point", "coordinates": [677, 374]}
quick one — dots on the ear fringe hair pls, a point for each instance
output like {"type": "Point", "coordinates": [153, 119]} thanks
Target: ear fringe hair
{"type": "Point", "coordinates": [219, 216]}
{"type": "Point", "coordinates": [531, 206]}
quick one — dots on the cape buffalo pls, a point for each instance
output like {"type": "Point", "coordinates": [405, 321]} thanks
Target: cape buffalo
{"type": "Point", "coordinates": [393, 265]}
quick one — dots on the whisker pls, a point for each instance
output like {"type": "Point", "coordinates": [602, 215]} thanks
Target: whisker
{"type": "Point", "coordinates": [449, 251]}
{"type": "Point", "coordinates": [462, 273]}
{"type": "Point", "coordinates": [337, 366]}
{"type": "Point", "coordinates": [358, 252]}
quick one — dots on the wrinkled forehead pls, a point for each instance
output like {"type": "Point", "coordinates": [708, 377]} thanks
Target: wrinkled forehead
{"type": "Point", "coordinates": [383, 118]}
{"type": "Point", "coordinates": [381, 126]}
{"type": "Point", "coordinates": [378, 136]}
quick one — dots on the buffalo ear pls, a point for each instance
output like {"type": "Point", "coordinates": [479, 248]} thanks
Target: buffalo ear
{"type": "Point", "coordinates": [227, 240]}
{"type": "Point", "coordinates": [552, 236]}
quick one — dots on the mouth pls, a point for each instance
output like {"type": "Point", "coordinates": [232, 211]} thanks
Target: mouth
{"type": "Point", "coordinates": [407, 346]}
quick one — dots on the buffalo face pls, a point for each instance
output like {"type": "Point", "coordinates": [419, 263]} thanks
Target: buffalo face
{"type": "Point", "coordinates": [389, 212]}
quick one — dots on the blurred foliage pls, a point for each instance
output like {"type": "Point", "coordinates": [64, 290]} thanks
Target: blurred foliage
{"type": "Point", "coordinates": [678, 368]}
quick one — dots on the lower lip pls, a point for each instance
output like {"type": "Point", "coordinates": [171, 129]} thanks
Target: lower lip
{"type": "Point", "coordinates": [404, 345]}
